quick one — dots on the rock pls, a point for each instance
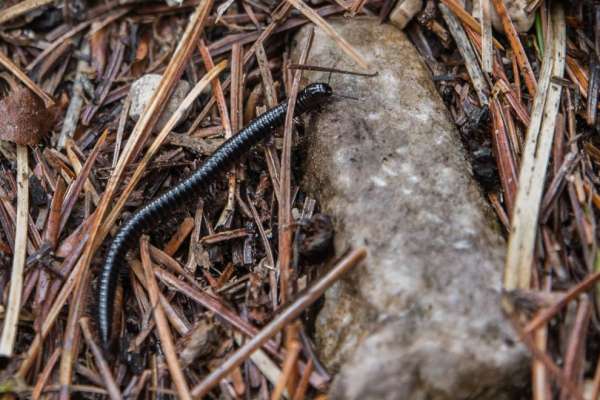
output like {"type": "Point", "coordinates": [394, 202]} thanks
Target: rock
{"type": "Point", "coordinates": [404, 11]}
{"type": "Point", "coordinates": [422, 319]}
{"type": "Point", "coordinates": [521, 19]}
{"type": "Point", "coordinates": [142, 91]}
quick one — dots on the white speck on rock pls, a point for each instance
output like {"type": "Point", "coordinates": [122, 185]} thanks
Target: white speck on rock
{"type": "Point", "coordinates": [378, 181]}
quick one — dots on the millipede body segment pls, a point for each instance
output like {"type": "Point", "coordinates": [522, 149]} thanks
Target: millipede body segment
{"type": "Point", "coordinates": [160, 208]}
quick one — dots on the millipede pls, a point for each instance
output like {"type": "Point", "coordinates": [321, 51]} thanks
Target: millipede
{"type": "Point", "coordinates": [157, 210]}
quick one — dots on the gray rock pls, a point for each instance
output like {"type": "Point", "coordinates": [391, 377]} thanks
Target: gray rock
{"type": "Point", "coordinates": [141, 92]}
{"type": "Point", "coordinates": [422, 319]}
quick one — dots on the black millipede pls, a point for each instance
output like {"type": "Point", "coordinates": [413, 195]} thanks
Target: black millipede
{"type": "Point", "coordinates": [151, 214]}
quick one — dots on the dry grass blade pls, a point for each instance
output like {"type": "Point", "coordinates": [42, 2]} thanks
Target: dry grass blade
{"type": "Point", "coordinates": [321, 23]}
{"type": "Point", "coordinates": [289, 314]}
{"type": "Point", "coordinates": [103, 367]}
{"type": "Point", "coordinates": [11, 318]}
{"type": "Point", "coordinates": [540, 134]}
{"type": "Point", "coordinates": [162, 325]}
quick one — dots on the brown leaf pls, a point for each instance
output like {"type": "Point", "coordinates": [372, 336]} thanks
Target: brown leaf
{"type": "Point", "coordinates": [25, 119]}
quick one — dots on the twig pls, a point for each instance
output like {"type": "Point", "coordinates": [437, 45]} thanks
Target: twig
{"type": "Point", "coordinates": [182, 233]}
{"type": "Point", "coordinates": [288, 366]}
{"type": "Point", "coordinates": [324, 25]}
{"type": "Point", "coordinates": [327, 69]}
{"type": "Point", "coordinates": [70, 344]}
{"type": "Point", "coordinates": [303, 384]}
{"type": "Point", "coordinates": [77, 167]}
{"type": "Point", "coordinates": [289, 314]}
{"type": "Point", "coordinates": [266, 366]}
{"type": "Point", "coordinates": [545, 359]}
{"type": "Point", "coordinates": [162, 325]}
{"type": "Point", "coordinates": [595, 391]}
{"type": "Point", "coordinates": [262, 233]}
{"type": "Point", "coordinates": [103, 367]}
{"type": "Point", "coordinates": [285, 192]}
{"type": "Point", "coordinates": [79, 182]}
{"type": "Point", "coordinates": [576, 343]}
{"type": "Point", "coordinates": [11, 318]}
{"type": "Point", "coordinates": [45, 375]}
{"type": "Point", "coordinates": [218, 93]}
{"type": "Point", "coordinates": [213, 304]}
{"type": "Point", "coordinates": [517, 46]}
{"type": "Point", "coordinates": [547, 314]}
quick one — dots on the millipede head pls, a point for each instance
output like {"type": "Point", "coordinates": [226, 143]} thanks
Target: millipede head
{"type": "Point", "coordinates": [314, 95]}
{"type": "Point", "coordinates": [319, 90]}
